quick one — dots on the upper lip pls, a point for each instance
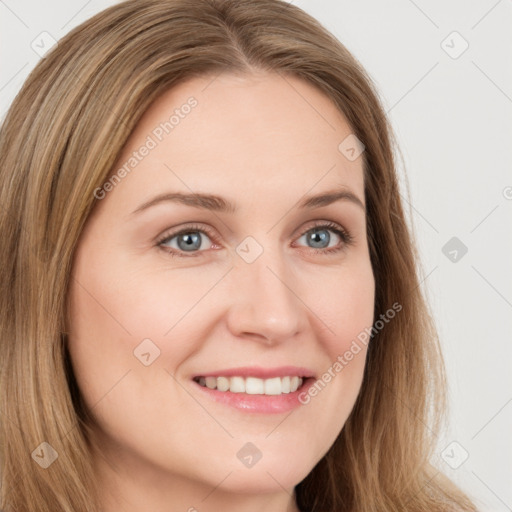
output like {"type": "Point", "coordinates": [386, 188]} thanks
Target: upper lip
{"type": "Point", "coordinates": [260, 372]}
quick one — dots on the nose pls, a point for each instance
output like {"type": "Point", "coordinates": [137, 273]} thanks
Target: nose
{"type": "Point", "coordinates": [264, 304]}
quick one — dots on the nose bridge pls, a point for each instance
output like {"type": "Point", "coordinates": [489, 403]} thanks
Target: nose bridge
{"type": "Point", "coordinates": [264, 302]}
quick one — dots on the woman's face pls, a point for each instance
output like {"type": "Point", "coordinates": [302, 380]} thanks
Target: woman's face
{"type": "Point", "coordinates": [253, 296]}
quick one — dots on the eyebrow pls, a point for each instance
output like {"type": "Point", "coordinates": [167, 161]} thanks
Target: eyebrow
{"type": "Point", "coordinates": [220, 204]}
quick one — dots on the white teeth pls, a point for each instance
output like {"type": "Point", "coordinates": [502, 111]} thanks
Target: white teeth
{"type": "Point", "coordinates": [237, 385]}
{"type": "Point", "coordinates": [273, 386]}
{"type": "Point", "coordinates": [222, 383]}
{"type": "Point", "coordinates": [285, 385]}
{"type": "Point", "coordinates": [253, 385]}
{"type": "Point", "coordinates": [211, 382]}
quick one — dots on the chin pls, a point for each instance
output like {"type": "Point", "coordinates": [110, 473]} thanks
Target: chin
{"type": "Point", "coordinates": [272, 473]}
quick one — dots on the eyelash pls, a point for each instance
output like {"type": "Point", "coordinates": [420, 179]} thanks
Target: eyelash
{"type": "Point", "coordinates": [345, 236]}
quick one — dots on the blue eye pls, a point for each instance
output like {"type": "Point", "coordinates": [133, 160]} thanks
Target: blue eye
{"type": "Point", "coordinates": [319, 235]}
{"type": "Point", "coordinates": [190, 240]}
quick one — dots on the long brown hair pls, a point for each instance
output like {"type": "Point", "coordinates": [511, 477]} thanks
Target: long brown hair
{"type": "Point", "coordinates": [59, 142]}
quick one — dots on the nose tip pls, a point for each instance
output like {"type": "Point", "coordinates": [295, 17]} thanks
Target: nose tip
{"type": "Point", "coordinates": [265, 305]}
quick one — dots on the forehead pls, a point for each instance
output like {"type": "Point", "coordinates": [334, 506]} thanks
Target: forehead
{"type": "Point", "coordinates": [259, 136]}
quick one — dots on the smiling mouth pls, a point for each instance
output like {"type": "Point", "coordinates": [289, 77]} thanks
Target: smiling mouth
{"type": "Point", "coordinates": [253, 385]}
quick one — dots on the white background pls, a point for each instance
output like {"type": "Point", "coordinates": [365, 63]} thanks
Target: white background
{"type": "Point", "coordinates": [453, 119]}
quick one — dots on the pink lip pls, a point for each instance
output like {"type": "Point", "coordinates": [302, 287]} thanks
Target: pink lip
{"type": "Point", "coordinates": [260, 373]}
{"type": "Point", "coordinates": [265, 404]}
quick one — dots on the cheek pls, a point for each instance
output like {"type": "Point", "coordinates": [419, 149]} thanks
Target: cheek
{"type": "Point", "coordinates": [346, 307]}
{"type": "Point", "coordinates": [114, 311]}
{"type": "Point", "coordinates": [345, 311]}
{"type": "Point", "coordinates": [114, 307]}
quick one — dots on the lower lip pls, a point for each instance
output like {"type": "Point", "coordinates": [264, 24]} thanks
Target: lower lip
{"type": "Point", "coordinates": [266, 404]}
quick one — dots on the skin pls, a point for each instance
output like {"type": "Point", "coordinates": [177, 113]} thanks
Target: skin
{"type": "Point", "coordinates": [263, 142]}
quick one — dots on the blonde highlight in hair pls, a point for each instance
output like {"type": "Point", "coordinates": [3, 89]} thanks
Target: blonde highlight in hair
{"type": "Point", "coordinates": [59, 142]}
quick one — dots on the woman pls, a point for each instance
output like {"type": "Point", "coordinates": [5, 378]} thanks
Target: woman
{"type": "Point", "coordinates": [169, 339]}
